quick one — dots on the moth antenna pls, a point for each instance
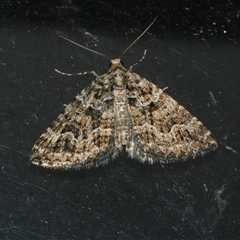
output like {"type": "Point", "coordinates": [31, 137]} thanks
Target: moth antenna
{"type": "Point", "coordinates": [138, 37]}
{"type": "Point", "coordinates": [79, 45]}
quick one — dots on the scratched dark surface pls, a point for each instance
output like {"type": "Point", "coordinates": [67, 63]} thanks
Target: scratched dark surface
{"type": "Point", "coordinates": [193, 49]}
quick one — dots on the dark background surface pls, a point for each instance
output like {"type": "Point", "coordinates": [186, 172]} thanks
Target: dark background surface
{"type": "Point", "coordinates": [193, 49]}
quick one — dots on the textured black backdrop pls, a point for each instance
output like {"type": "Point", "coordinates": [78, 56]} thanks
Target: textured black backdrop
{"type": "Point", "coordinates": [193, 49]}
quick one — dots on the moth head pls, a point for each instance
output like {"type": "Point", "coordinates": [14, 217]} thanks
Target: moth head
{"type": "Point", "coordinates": [116, 64]}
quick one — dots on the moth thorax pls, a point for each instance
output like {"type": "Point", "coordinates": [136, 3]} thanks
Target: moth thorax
{"type": "Point", "coordinates": [119, 80]}
{"type": "Point", "coordinates": [123, 122]}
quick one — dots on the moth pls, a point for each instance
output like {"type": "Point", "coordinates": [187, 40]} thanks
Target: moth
{"type": "Point", "coordinates": [121, 111]}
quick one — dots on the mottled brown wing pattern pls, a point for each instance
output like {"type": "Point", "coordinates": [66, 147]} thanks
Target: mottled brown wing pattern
{"type": "Point", "coordinates": [164, 130]}
{"type": "Point", "coordinates": [82, 136]}
{"type": "Point", "coordinates": [120, 108]}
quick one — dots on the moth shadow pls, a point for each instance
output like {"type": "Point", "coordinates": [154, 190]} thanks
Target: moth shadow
{"type": "Point", "coordinates": [157, 168]}
{"type": "Point", "coordinates": [100, 171]}
{"type": "Point", "coordinates": [123, 164]}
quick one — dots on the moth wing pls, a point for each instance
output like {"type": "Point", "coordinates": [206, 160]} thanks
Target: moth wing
{"type": "Point", "coordinates": [163, 131]}
{"type": "Point", "coordinates": [82, 136]}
